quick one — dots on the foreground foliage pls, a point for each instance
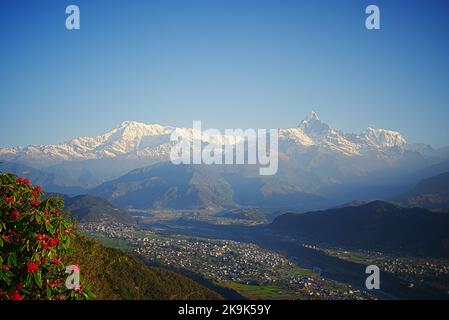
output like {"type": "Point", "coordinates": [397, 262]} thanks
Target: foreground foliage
{"type": "Point", "coordinates": [35, 236]}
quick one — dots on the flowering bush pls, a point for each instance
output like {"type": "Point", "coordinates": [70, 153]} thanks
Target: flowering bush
{"type": "Point", "coordinates": [35, 235]}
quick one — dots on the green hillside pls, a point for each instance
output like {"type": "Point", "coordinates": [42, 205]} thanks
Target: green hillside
{"type": "Point", "coordinates": [87, 208]}
{"type": "Point", "coordinates": [115, 275]}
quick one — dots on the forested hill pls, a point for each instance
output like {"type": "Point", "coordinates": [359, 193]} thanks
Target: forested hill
{"type": "Point", "coordinates": [115, 275]}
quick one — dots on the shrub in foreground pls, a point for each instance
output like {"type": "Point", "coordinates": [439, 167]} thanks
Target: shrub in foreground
{"type": "Point", "coordinates": [35, 236]}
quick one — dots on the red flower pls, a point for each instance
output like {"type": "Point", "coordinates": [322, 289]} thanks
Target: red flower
{"type": "Point", "coordinates": [55, 261]}
{"type": "Point", "coordinates": [16, 296]}
{"type": "Point", "coordinates": [57, 212]}
{"type": "Point", "coordinates": [53, 242]}
{"type": "Point", "coordinates": [14, 215]}
{"type": "Point", "coordinates": [35, 203]}
{"type": "Point", "coordinates": [31, 267]}
{"type": "Point", "coordinates": [20, 286]}
{"type": "Point", "coordinates": [9, 199]}
{"type": "Point", "coordinates": [41, 237]}
{"type": "Point", "coordinates": [21, 180]}
{"type": "Point", "coordinates": [5, 267]}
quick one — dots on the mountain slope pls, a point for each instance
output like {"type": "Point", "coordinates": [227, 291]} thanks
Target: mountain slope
{"type": "Point", "coordinates": [165, 185]}
{"type": "Point", "coordinates": [87, 208]}
{"type": "Point", "coordinates": [51, 182]}
{"type": "Point", "coordinates": [432, 193]}
{"type": "Point", "coordinates": [377, 225]}
{"type": "Point", "coordinates": [115, 275]}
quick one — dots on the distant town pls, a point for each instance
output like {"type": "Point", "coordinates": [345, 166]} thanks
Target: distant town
{"type": "Point", "coordinates": [249, 269]}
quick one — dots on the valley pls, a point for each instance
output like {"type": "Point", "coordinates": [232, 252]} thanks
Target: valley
{"type": "Point", "coordinates": [254, 272]}
{"type": "Point", "coordinates": [258, 264]}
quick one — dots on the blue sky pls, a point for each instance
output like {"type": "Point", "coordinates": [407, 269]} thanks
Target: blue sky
{"type": "Point", "coordinates": [229, 63]}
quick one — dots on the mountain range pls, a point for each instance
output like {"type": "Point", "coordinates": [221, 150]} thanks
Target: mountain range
{"type": "Point", "coordinates": [134, 140]}
{"type": "Point", "coordinates": [319, 166]}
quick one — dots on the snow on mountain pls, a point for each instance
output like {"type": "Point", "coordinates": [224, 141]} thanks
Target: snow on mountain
{"type": "Point", "coordinates": [313, 127]}
{"type": "Point", "coordinates": [139, 140]}
{"type": "Point", "coordinates": [381, 138]}
{"type": "Point", "coordinates": [312, 131]}
{"type": "Point", "coordinates": [123, 140]}
{"type": "Point", "coordinates": [295, 135]}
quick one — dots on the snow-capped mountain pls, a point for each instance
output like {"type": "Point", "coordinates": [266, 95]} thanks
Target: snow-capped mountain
{"type": "Point", "coordinates": [312, 155]}
{"type": "Point", "coordinates": [139, 140]}
{"type": "Point", "coordinates": [129, 138]}
{"type": "Point", "coordinates": [312, 131]}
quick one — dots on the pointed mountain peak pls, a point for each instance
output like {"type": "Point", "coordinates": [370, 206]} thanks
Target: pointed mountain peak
{"type": "Point", "coordinates": [312, 116]}
{"type": "Point", "coordinates": [312, 125]}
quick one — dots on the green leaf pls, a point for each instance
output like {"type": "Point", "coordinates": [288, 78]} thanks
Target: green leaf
{"type": "Point", "coordinates": [11, 261]}
{"type": "Point", "coordinates": [38, 279]}
{"type": "Point", "coordinates": [28, 280]}
{"type": "Point", "coordinates": [49, 228]}
{"type": "Point", "coordinates": [5, 277]}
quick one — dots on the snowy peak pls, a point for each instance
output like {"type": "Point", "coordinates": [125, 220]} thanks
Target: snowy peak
{"type": "Point", "coordinates": [312, 131]}
{"type": "Point", "coordinates": [382, 138]}
{"type": "Point", "coordinates": [134, 129]}
{"type": "Point", "coordinates": [312, 116]}
{"type": "Point", "coordinates": [309, 120]}
{"type": "Point", "coordinates": [312, 125]}
{"type": "Point", "coordinates": [129, 137]}
{"type": "Point", "coordinates": [128, 123]}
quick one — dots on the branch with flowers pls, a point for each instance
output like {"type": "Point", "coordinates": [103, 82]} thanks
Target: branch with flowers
{"type": "Point", "coordinates": [35, 235]}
